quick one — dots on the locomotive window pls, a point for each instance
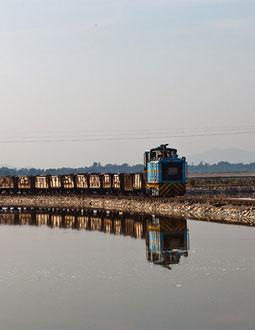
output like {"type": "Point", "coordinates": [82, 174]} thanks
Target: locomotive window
{"type": "Point", "coordinates": [171, 154]}
{"type": "Point", "coordinates": [146, 158]}
{"type": "Point", "coordinates": [153, 155]}
{"type": "Point", "coordinates": [172, 171]}
{"type": "Point", "coordinates": [156, 154]}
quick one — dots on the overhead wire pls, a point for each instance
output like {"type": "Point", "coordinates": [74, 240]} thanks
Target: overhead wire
{"type": "Point", "coordinates": [119, 133]}
{"type": "Point", "coordinates": [119, 137]}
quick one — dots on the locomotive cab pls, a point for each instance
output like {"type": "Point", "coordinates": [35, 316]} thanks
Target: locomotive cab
{"type": "Point", "coordinates": [164, 172]}
{"type": "Point", "coordinates": [162, 152]}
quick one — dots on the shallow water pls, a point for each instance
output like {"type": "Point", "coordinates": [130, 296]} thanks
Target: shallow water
{"type": "Point", "coordinates": [57, 278]}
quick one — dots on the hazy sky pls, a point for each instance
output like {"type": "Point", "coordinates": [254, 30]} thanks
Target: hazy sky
{"type": "Point", "coordinates": [121, 76]}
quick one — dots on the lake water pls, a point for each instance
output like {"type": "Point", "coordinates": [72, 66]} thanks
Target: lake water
{"type": "Point", "coordinates": [124, 272]}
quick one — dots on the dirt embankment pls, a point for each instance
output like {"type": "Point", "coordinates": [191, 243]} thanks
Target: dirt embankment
{"type": "Point", "coordinates": [228, 214]}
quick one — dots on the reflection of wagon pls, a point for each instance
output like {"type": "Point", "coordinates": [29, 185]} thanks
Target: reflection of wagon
{"type": "Point", "coordinates": [68, 221]}
{"type": "Point", "coordinates": [108, 227]}
{"type": "Point", "coordinates": [95, 223]}
{"type": "Point", "coordinates": [42, 219]}
{"type": "Point", "coordinates": [82, 222]}
{"type": "Point", "coordinates": [7, 219]}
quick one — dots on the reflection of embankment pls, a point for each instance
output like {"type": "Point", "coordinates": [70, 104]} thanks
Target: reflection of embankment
{"type": "Point", "coordinates": [166, 239]}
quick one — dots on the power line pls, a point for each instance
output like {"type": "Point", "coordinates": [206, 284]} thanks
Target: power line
{"type": "Point", "coordinates": [119, 138]}
{"type": "Point", "coordinates": [106, 134]}
{"type": "Point", "coordinates": [124, 132]}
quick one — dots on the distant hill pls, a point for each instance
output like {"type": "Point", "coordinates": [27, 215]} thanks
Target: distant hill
{"type": "Point", "coordinates": [217, 155]}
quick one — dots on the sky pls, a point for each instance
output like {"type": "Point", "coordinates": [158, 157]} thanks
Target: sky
{"type": "Point", "coordinates": [101, 81]}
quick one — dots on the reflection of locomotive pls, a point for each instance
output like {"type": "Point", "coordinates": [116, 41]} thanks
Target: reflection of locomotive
{"type": "Point", "coordinates": [164, 175]}
{"type": "Point", "coordinates": [167, 240]}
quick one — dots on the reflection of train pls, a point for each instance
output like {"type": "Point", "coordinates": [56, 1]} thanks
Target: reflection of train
{"type": "Point", "coordinates": [164, 175]}
{"type": "Point", "coordinates": [167, 241]}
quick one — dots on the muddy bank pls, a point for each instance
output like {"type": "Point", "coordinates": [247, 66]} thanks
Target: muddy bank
{"type": "Point", "coordinates": [230, 214]}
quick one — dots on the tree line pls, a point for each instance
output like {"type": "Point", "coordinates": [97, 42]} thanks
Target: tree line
{"type": "Point", "coordinates": [220, 167]}
{"type": "Point", "coordinates": [94, 168]}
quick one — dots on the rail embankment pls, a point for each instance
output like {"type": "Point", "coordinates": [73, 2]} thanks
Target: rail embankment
{"type": "Point", "coordinates": [203, 209]}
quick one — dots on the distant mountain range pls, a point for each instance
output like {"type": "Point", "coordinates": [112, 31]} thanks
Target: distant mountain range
{"type": "Point", "coordinates": [216, 155]}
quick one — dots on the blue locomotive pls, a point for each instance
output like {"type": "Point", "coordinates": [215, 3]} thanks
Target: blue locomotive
{"type": "Point", "coordinates": [164, 172]}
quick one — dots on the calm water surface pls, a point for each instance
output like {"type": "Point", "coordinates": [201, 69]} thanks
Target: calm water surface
{"type": "Point", "coordinates": [123, 273]}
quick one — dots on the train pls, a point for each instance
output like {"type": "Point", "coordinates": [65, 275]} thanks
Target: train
{"type": "Point", "coordinates": [164, 176]}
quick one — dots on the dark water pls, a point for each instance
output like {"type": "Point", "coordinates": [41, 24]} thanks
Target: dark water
{"type": "Point", "coordinates": [111, 271]}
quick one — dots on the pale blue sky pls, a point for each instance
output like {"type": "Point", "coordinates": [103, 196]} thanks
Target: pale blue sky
{"type": "Point", "coordinates": [85, 69]}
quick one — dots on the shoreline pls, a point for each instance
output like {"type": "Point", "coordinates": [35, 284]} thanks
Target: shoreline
{"type": "Point", "coordinates": [243, 215]}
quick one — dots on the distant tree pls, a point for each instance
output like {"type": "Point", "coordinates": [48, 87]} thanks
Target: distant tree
{"type": "Point", "coordinates": [5, 171]}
